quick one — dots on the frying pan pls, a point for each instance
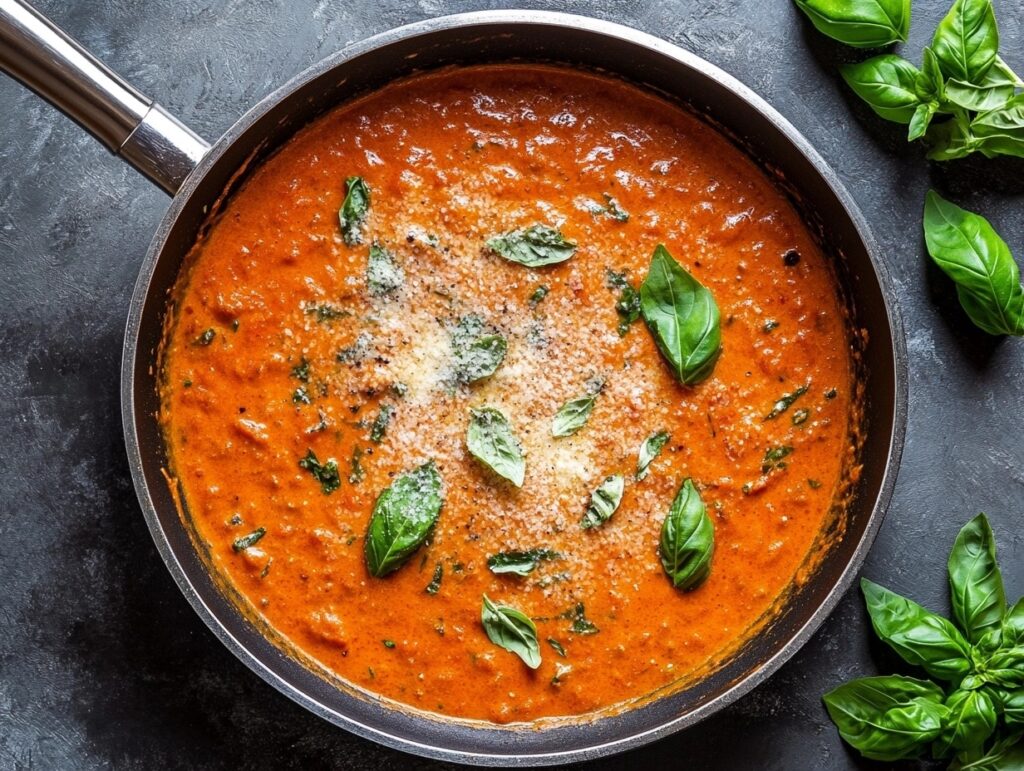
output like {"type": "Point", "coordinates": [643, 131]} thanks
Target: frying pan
{"type": "Point", "coordinates": [196, 174]}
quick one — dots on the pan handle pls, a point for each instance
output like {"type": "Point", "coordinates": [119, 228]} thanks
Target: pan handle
{"type": "Point", "coordinates": [36, 52]}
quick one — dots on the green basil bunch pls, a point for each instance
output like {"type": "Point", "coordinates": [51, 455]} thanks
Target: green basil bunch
{"type": "Point", "coordinates": [963, 99]}
{"type": "Point", "coordinates": [976, 714]}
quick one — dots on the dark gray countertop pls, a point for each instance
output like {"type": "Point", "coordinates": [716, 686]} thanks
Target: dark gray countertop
{"type": "Point", "coordinates": [103, 663]}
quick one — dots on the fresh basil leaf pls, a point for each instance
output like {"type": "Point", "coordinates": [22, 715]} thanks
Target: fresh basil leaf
{"type": "Point", "coordinates": [1013, 708]}
{"type": "Point", "coordinates": [971, 720]}
{"type": "Point", "coordinates": [478, 349]}
{"type": "Point", "coordinates": [920, 121]}
{"type": "Point", "coordinates": [575, 413]}
{"type": "Point", "coordinates": [951, 139]}
{"type": "Point", "coordinates": [1001, 131]}
{"type": "Point", "coordinates": [966, 40]}
{"type": "Point", "coordinates": [512, 630]}
{"type": "Point", "coordinates": [246, 541]}
{"type": "Point", "coordinates": [683, 318]}
{"type": "Point", "coordinates": [534, 247]}
{"type": "Point", "coordinates": [1012, 626]}
{"type": "Point", "coordinates": [604, 501]}
{"type": "Point", "coordinates": [1004, 668]}
{"type": "Point", "coordinates": [930, 85]}
{"type": "Point", "coordinates": [968, 250]}
{"type": "Point", "coordinates": [520, 563]}
{"type": "Point", "coordinates": [435, 582]}
{"type": "Point", "coordinates": [860, 23]}
{"type": "Point", "coordinates": [887, 718]}
{"type": "Point", "coordinates": [324, 473]}
{"type": "Point", "coordinates": [785, 402]}
{"type": "Point", "coordinates": [990, 93]}
{"type": "Point", "coordinates": [976, 585]}
{"type": "Point", "coordinates": [888, 83]}
{"type": "Point", "coordinates": [353, 210]}
{"type": "Point", "coordinates": [919, 636]}
{"type": "Point", "coordinates": [383, 274]}
{"type": "Point", "coordinates": [649, 450]}
{"type": "Point", "coordinates": [687, 540]}
{"type": "Point", "coordinates": [1006, 754]}
{"type": "Point", "coordinates": [491, 441]}
{"type": "Point", "coordinates": [402, 519]}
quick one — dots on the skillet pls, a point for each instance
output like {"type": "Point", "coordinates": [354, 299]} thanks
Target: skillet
{"type": "Point", "coordinates": [196, 174]}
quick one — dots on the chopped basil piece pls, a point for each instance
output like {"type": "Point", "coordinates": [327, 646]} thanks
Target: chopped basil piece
{"type": "Point", "coordinates": [381, 422]}
{"type": "Point", "coordinates": [357, 474]}
{"type": "Point", "coordinates": [383, 274]}
{"type": "Point", "coordinates": [534, 247]}
{"type": "Point", "coordinates": [580, 623]}
{"type": "Point", "coordinates": [649, 450]}
{"type": "Point", "coordinates": [435, 583]}
{"type": "Point", "coordinates": [206, 338]}
{"type": "Point", "coordinates": [243, 543]}
{"type": "Point", "coordinates": [800, 416]}
{"type": "Point", "coordinates": [538, 294]}
{"type": "Point", "coordinates": [774, 458]}
{"type": "Point", "coordinates": [301, 370]}
{"type": "Point", "coordinates": [326, 312]}
{"type": "Point", "coordinates": [785, 402]}
{"type": "Point", "coordinates": [388, 643]}
{"type": "Point", "coordinates": [604, 501]}
{"type": "Point", "coordinates": [355, 353]}
{"type": "Point", "coordinates": [611, 209]}
{"type": "Point", "coordinates": [628, 304]}
{"type": "Point", "coordinates": [301, 396]}
{"type": "Point", "coordinates": [353, 210]}
{"type": "Point", "coordinates": [324, 473]}
{"type": "Point", "coordinates": [770, 325]}
{"type": "Point", "coordinates": [519, 563]}
{"type": "Point", "coordinates": [558, 647]}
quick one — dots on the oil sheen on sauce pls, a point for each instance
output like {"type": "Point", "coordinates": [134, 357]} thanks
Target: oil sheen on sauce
{"type": "Point", "coordinates": [278, 348]}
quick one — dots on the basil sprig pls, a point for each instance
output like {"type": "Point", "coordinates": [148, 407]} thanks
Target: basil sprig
{"type": "Point", "coordinates": [534, 247]}
{"type": "Point", "coordinates": [860, 23]}
{"type": "Point", "coordinates": [402, 519]}
{"type": "Point", "coordinates": [968, 250]}
{"type": "Point", "coordinates": [490, 440]}
{"type": "Point", "coordinates": [978, 716]}
{"type": "Point", "coordinates": [512, 630]}
{"type": "Point", "coordinates": [687, 540]}
{"type": "Point", "coordinates": [353, 210]}
{"type": "Point", "coordinates": [683, 318]}
{"type": "Point", "coordinates": [604, 501]}
{"type": "Point", "coordinates": [649, 450]}
{"type": "Point", "coordinates": [519, 563]}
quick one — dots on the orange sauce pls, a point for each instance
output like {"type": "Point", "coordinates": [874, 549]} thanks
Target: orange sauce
{"type": "Point", "coordinates": [453, 158]}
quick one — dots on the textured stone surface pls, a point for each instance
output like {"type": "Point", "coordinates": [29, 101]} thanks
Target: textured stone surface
{"type": "Point", "coordinates": [102, 662]}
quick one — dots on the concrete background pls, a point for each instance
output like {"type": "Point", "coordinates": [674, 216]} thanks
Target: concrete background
{"type": "Point", "coordinates": [102, 662]}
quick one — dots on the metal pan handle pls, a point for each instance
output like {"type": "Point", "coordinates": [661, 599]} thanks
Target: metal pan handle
{"type": "Point", "coordinates": [36, 52]}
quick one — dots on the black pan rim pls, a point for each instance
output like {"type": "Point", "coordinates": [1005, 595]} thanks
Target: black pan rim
{"type": "Point", "coordinates": [598, 28]}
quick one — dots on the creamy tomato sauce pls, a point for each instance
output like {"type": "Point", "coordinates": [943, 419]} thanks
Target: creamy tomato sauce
{"type": "Point", "coordinates": [278, 348]}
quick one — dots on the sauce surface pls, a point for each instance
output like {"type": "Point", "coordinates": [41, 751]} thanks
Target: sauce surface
{"type": "Point", "coordinates": [278, 348]}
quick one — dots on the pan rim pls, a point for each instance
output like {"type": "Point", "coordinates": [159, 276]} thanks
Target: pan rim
{"type": "Point", "coordinates": [598, 28]}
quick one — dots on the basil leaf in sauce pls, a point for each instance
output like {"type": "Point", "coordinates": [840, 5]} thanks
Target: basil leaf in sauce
{"type": "Point", "coordinates": [477, 348]}
{"type": "Point", "coordinates": [402, 519]}
{"type": "Point", "coordinates": [575, 413]}
{"type": "Point", "coordinates": [975, 582]}
{"type": "Point", "coordinates": [534, 247]}
{"type": "Point", "coordinates": [887, 718]}
{"type": "Point", "coordinates": [966, 40]}
{"type": "Point", "coordinates": [774, 458]}
{"type": "Point", "coordinates": [324, 473]}
{"type": "Point", "coordinates": [383, 274]}
{"type": "Point", "coordinates": [243, 543]}
{"type": "Point", "coordinates": [604, 501]}
{"type": "Point", "coordinates": [580, 623]}
{"type": "Point", "coordinates": [611, 209]}
{"type": "Point", "coordinates": [520, 563]}
{"type": "Point", "coordinates": [919, 636]}
{"type": "Point", "coordinates": [353, 210]}
{"type": "Point", "coordinates": [683, 318]}
{"type": "Point", "coordinates": [888, 83]}
{"type": "Point", "coordinates": [969, 251]}
{"type": "Point", "coordinates": [785, 402]}
{"type": "Point", "coordinates": [687, 540]}
{"type": "Point", "coordinates": [559, 649]}
{"type": "Point", "coordinates": [628, 304]}
{"type": "Point", "coordinates": [649, 450]}
{"type": "Point", "coordinates": [538, 295]}
{"type": "Point", "coordinates": [512, 630]}
{"type": "Point", "coordinates": [381, 422]}
{"type": "Point", "coordinates": [357, 474]}
{"type": "Point", "coordinates": [860, 23]}
{"type": "Point", "coordinates": [971, 720]}
{"type": "Point", "coordinates": [491, 441]}
{"type": "Point", "coordinates": [206, 337]}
